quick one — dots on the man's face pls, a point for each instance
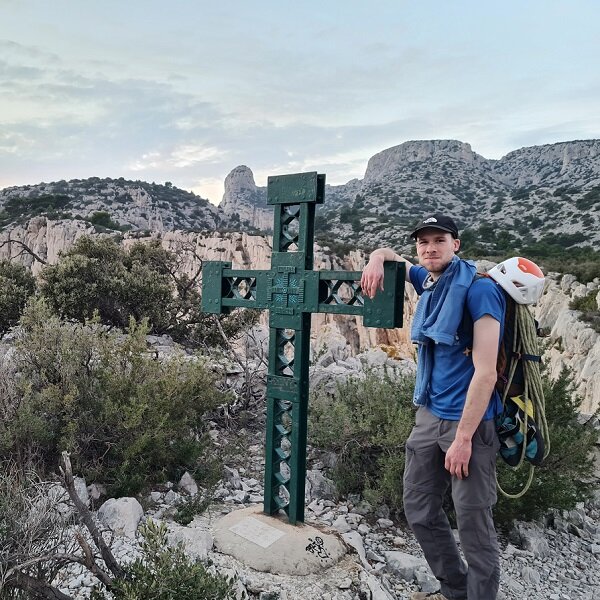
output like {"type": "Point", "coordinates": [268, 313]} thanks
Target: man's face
{"type": "Point", "coordinates": [435, 249]}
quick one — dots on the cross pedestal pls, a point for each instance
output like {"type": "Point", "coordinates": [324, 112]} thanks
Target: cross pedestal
{"type": "Point", "coordinates": [291, 290]}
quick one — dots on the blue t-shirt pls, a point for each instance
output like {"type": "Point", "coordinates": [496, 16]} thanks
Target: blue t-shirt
{"type": "Point", "coordinates": [453, 365]}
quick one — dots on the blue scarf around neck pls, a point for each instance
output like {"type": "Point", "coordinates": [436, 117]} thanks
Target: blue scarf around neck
{"type": "Point", "coordinates": [437, 318]}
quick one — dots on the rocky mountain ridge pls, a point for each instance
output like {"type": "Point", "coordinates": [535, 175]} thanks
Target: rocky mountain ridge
{"type": "Point", "coordinates": [532, 193]}
{"type": "Point", "coordinates": [109, 205]}
{"type": "Point", "coordinates": [539, 192]}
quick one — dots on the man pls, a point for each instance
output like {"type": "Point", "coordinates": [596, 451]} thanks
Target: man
{"type": "Point", "coordinates": [457, 328]}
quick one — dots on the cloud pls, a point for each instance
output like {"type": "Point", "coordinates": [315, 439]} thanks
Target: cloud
{"type": "Point", "coordinates": [187, 155]}
{"type": "Point", "coordinates": [179, 157]}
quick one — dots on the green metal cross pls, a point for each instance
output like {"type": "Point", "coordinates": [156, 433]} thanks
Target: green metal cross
{"type": "Point", "coordinates": [292, 291]}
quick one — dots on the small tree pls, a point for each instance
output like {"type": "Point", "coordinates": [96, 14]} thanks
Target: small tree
{"type": "Point", "coordinates": [144, 282]}
{"type": "Point", "coordinates": [97, 274]}
{"type": "Point", "coordinates": [16, 286]}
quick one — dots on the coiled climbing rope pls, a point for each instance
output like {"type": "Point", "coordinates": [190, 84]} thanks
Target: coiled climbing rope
{"type": "Point", "coordinates": [525, 343]}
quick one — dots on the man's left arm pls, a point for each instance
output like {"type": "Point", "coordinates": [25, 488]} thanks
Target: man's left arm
{"type": "Point", "coordinates": [486, 335]}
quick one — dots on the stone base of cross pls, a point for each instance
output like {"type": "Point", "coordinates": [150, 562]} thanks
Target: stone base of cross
{"type": "Point", "coordinates": [291, 290]}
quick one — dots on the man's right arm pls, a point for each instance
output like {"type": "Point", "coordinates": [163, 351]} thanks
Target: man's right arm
{"type": "Point", "coordinates": [372, 276]}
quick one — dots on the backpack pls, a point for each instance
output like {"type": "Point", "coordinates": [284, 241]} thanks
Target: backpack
{"type": "Point", "coordinates": [521, 426]}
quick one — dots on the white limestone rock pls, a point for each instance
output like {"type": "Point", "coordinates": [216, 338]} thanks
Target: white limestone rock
{"type": "Point", "coordinates": [122, 515]}
{"type": "Point", "coordinates": [319, 487]}
{"type": "Point", "coordinates": [197, 542]}
{"type": "Point", "coordinates": [404, 565]}
{"type": "Point", "coordinates": [188, 484]}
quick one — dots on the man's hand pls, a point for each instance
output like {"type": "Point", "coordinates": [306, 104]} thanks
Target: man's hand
{"type": "Point", "coordinates": [458, 457]}
{"type": "Point", "coordinates": [372, 277]}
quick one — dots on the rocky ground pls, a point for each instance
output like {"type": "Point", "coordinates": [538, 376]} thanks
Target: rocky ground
{"type": "Point", "coordinates": [558, 561]}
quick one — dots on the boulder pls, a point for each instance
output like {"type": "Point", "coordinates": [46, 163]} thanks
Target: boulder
{"type": "Point", "coordinates": [531, 538]}
{"type": "Point", "coordinates": [404, 565]}
{"type": "Point", "coordinates": [188, 484]}
{"type": "Point", "coordinates": [122, 515]}
{"type": "Point", "coordinates": [318, 487]}
{"type": "Point", "coordinates": [197, 542]}
{"type": "Point", "coordinates": [270, 544]}
{"type": "Point", "coordinates": [354, 540]}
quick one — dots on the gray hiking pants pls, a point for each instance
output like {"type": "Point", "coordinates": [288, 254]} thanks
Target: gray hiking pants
{"type": "Point", "coordinates": [425, 483]}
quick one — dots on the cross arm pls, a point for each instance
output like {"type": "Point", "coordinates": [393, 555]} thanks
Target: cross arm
{"type": "Point", "coordinates": [224, 288]}
{"type": "Point", "coordinates": [340, 293]}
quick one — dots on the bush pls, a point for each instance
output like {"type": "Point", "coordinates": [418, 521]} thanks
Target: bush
{"type": "Point", "coordinates": [103, 220]}
{"type": "Point", "coordinates": [96, 274]}
{"type": "Point", "coordinates": [144, 282]}
{"type": "Point", "coordinates": [166, 573]}
{"type": "Point", "coordinates": [128, 419]}
{"type": "Point", "coordinates": [561, 481]}
{"type": "Point", "coordinates": [589, 309]}
{"type": "Point", "coordinates": [16, 286]}
{"type": "Point", "coordinates": [366, 423]}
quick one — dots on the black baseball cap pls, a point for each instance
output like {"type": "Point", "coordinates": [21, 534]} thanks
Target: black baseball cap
{"type": "Point", "coordinates": [436, 221]}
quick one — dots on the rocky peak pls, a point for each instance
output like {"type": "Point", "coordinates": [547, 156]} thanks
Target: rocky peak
{"type": "Point", "coordinates": [240, 181]}
{"type": "Point", "coordinates": [243, 202]}
{"type": "Point", "coordinates": [574, 163]}
{"type": "Point", "coordinates": [390, 161]}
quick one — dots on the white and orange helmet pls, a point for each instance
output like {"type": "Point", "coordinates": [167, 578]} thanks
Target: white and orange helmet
{"type": "Point", "coordinates": [519, 277]}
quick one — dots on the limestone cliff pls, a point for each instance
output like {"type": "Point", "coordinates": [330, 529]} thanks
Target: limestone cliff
{"type": "Point", "coordinates": [45, 238]}
{"type": "Point", "coordinates": [571, 343]}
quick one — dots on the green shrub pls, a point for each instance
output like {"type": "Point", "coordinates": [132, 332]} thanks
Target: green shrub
{"type": "Point", "coordinates": [18, 210]}
{"type": "Point", "coordinates": [561, 481]}
{"type": "Point", "coordinates": [16, 286]}
{"type": "Point", "coordinates": [128, 419]}
{"type": "Point", "coordinates": [585, 303]}
{"type": "Point", "coordinates": [366, 423]}
{"type": "Point", "coordinates": [102, 219]}
{"type": "Point", "coordinates": [165, 573]}
{"type": "Point", "coordinates": [589, 309]}
{"type": "Point", "coordinates": [98, 276]}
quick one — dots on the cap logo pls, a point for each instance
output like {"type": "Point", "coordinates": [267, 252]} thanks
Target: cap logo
{"type": "Point", "coordinates": [430, 220]}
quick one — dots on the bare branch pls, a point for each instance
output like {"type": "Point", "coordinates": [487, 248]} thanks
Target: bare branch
{"type": "Point", "coordinates": [39, 589]}
{"type": "Point", "coordinates": [90, 563]}
{"type": "Point", "coordinates": [86, 517]}
{"type": "Point", "coordinates": [24, 249]}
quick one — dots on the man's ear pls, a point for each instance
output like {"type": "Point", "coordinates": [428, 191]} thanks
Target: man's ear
{"type": "Point", "coordinates": [456, 245]}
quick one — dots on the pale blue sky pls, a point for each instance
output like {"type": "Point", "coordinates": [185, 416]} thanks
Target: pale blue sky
{"type": "Point", "coordinates": [186, 90]}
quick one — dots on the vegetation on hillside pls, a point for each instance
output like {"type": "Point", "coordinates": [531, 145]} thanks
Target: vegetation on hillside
{"type": "Point", "coordinates": [17, 284]}
{"type": "Point", "coordinates": [588, 305]}
{"type": "Point", "coordinates": [560, 253]}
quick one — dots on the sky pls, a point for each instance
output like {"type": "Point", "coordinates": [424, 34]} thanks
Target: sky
{"type": "Point", "coordinates": [186, 90]}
